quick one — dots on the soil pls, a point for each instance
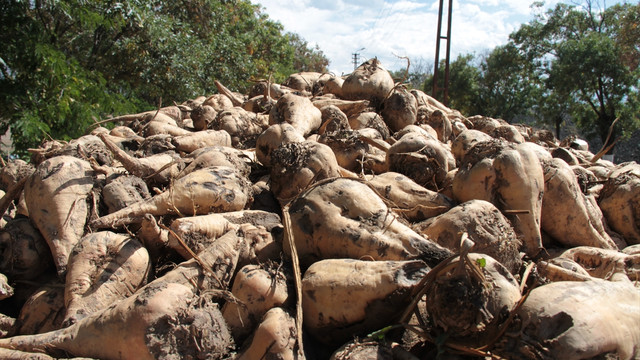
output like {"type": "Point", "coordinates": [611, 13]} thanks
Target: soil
{"type": "Point", "coordinates": [199, 332]}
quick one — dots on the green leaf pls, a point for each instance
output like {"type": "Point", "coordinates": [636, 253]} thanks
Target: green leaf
{"type": "Point", "coordinates": [73, 60]}
{"type": "Point", "coordinates": [379, 335]}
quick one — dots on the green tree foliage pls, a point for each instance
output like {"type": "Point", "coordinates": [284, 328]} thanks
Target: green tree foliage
{"type": "Point", "coordinates": [628, 37]}
{"type": "Point", "coordinates": [584, 60]}
{"type": "Point", "coordinates": [464, 77]}
{"type": "Point", "coordinates": [306, 58]}
{"type": "Point", "coordinates": [43, 89]}
{"type": "Point", "coordinates": [65, 63]}
{"type": "Point", "coordinates": [507, 88]}
{"type": "Point", "coordinates": [571, 62]}
{"type": "Point", "coordinates": [498, 84]}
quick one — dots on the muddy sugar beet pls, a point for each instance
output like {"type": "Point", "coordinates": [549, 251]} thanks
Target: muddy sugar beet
{"type": "Point", "coordinates": [320, 217]}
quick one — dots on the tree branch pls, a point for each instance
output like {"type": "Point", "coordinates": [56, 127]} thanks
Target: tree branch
{"type": "Point", "coordinates": [38, 9]}
{"type": "Point", "coordinates": [588, 100]}
{"type": "Point", "coordinates": [600, 93]}
{"type": "Point", "coordinates": [3, 67]}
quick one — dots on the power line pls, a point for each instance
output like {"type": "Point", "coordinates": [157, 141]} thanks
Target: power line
{"type": "Point", "coordinates": [379, 16]}
{"type": "Point", "coordinates": [391, 27]}
{"type": "Point", "coordinates": [388, 14]}
{"type": "Point", "coordinates": [381, 20]}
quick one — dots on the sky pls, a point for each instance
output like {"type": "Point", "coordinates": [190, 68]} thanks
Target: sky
{"type": "Point", "coordinates": [392, 29]}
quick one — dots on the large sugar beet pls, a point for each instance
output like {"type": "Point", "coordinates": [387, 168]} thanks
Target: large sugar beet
{"type": "Point", "coordinates": [104, 267]}
{"type": "Point", "coordinates": [212, 189]}
{"type": "Point", "coordinates": [567, 214]}
{"type": "Point", "coordinates": [298, 111]}
{"type": "Point", "coordinates": [471, 298]}
{"type": "Point", "coordinates": [344, 218]}
{"type": "Point", "coordinates": [271, 139]}
{"type": "Point", "coordinates": [167, 318]}
{"type": "Point", "coordinates": [399, 109]}
{"type": "Point", "coordinates": [370, 81]}
{"type": "Point", "coordinates": [345, 297]}
{"type": "Point", "coordinates": [24, 254]}
{"type": "Point", "coordinates": [57, 196]}
{"type": "Point", "coordinates": [620, 202]}
{"type": "Point", "coordinates": [422, 158]}
{"type": "Point", "coordinates": [510, 177]}
{"type": "Point", "coordinates": [406, 197]}
{"type": "Point", "coordinates": [576, 320]}
{"type": "Point", "coordinates": [296, 166]}
{"type": "Point", "coordinates": [485, 225]}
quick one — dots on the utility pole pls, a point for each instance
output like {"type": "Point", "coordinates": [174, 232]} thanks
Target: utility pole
{"type": "Point", "coordinates": [356, 58]}
{"type": "Point", "coordinates": [445, 87]}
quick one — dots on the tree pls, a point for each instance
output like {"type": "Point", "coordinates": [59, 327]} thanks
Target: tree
{"type": "Point", "coordinates": [43, 90]}
{"type": "Point", "coordinates": [64, 63]}
{"type": "Point", "coordinates": [499, 84]}
{"type": "Point", "coordinates": [583, 56]}
{"type": "Point", "coordinates": [464, 77]}
{"type": "Point", "coordinates": [507, 86]}
{"type": "Point", "coordinates": [419, 71]}
{"type": "Point", "coordinates": [306, 58]}
{"type": "Point", "coordinates": [629, 37]}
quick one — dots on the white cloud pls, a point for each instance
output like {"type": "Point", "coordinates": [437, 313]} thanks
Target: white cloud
{"type": "Point", "coordinates": [390, 28]}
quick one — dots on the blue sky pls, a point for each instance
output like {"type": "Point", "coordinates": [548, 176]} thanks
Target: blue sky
{"type": "Point", "coordinates": [388, 29]}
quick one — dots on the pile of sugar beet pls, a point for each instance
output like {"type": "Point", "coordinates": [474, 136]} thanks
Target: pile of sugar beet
{"type": "Point", "coordinates": [324, 217]}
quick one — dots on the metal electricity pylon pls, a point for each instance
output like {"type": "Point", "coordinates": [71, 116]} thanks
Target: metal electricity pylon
{"type": "Point", "coordinates": [445, 87]}
{"type": "Point", "coordinates": [356, 58]}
